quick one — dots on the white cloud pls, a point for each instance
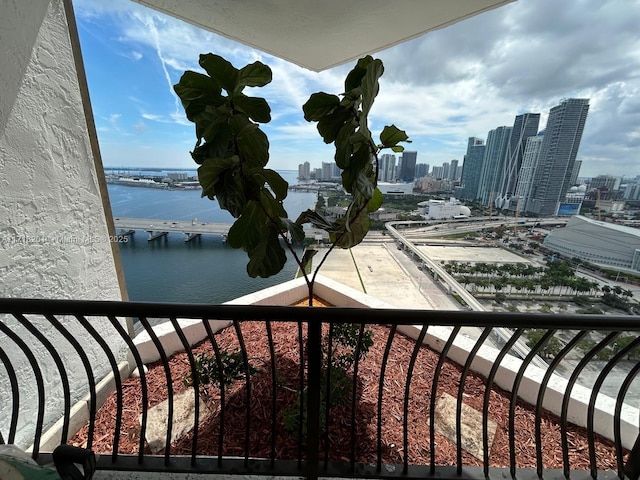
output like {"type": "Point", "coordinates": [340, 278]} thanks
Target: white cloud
{"type": "Point", "coordinates": [140, 127]}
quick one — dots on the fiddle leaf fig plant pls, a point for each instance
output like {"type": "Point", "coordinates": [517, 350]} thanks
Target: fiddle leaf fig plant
{"type": "Point", "coordinates": [233, 153]}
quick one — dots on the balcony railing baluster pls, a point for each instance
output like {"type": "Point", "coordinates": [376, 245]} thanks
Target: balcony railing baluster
{"type": "Point", "coordinates": [64, 378]}
{"type": "Point", "coordinates": [274, 393]}
{"type": "Point", "coordinates": [542, 390]}
{"type": "Point", "coordinates": [407, 389]}
{"type": "Point", "coordinates": [221, 385]}
{"type": "Point", "coordinates": [169, 380]}
{"type": "Point", "coordinates": [434, 393]}
{"type": "Point", "coordinates": [245, 358]}
{"type": "Point", "coordinates": [385, 359]}
{"type": "Point", "coordinates": [116, 376]}
{"type": "Point", "coordinates": [592, 401]}
{"type": "Point", "coordinates": [624, 388]}
{"type": "Point", "coordinates": [537, 348]}
{"type": "Point", "coordinates": [567, 396]}
{"type": "Point", "coordinates": [15, 397]}
{"type": "Point", "coordinates": [143, 383]}
{"type": "Point", "coordinates": [39, 384]}
{"type": "Point", "coordinates": [354, 397]}
{"type": "Point", "coordinates": [463, 377]}
{"type": "Point", "coordinates": [487, 396]}
{"type": "Point", "coordinates": [196, 386]}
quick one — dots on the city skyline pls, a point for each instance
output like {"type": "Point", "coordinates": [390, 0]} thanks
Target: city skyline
{"type": "Point", "coordinates": [441, 88]}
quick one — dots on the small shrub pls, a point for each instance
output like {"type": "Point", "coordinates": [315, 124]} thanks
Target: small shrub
{"type": "Point", "coordinates": [344, 344]}
{"type": "Point", "coordinates": [209, 372]}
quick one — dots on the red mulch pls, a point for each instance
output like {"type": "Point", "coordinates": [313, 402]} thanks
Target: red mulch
{"type": "Point", "coordinates": [287, 361]}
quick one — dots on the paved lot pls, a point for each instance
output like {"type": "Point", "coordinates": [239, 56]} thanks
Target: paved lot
{"type": "Point", "coordinates": [470, 254]}
{"type": "Point", "coordinates": [387, 274]}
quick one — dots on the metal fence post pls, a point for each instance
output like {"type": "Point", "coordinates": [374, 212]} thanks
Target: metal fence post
{"type": "Point", "coordinates": [314, 373]}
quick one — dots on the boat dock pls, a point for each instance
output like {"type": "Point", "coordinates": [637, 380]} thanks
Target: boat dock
{"type": "Point", "coordinates": [157, 228]}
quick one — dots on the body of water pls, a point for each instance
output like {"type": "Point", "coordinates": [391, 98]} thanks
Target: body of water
{"type": "Point", "coordinates": [205, 270]}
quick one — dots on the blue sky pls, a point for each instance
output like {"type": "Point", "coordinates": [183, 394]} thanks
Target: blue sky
{"type": "Point", "coordinates": [441, 88]}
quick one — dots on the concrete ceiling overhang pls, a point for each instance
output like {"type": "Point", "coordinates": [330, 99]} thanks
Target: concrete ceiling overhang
{"type": "Point", "coordinates": [320, 34]}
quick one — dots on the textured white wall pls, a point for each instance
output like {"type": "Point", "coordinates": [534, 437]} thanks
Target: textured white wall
{"type": "Point", "coordinates": [54, 239]}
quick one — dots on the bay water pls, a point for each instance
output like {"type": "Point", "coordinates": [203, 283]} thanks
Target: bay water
{"type": "Point", "coordinates": [204, 270]}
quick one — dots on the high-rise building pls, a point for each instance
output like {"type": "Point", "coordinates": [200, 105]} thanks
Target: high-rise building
{"type": "Point", "coordinates": [386, 168]}
{"type": "Point", "coordinates": [453, 170]}
{"type": "Point", "coordinates": [304, 171]}
{"type": "Point", "coordinates": [327, 171]}
{"type": "Point", "coordinates": [608, 182]}
{"type": "Point", "coordinates": [472, 168]}
{"type": "Point", "coordinates": [632, 191]}
{"type": "Point", "coordinates": [524, 126]}
{"type": "Point", "coordinates": [421, 170]}
{"type": "Point", "coordinates": [337, 171]}
{"type": "Point", "coordinates": [494, 156]}
{"type": "Point", "coordinates": [558, 155]}
{"type": "Point", "coordinates": [408, 166]}
{"type": "Point", "coordinates": [527, 171]}
{"type": "Point", "coordinates": [446, 168]}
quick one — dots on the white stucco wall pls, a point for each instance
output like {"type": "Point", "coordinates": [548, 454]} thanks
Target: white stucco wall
{"type": "Point", "coordinates": [54, 239]}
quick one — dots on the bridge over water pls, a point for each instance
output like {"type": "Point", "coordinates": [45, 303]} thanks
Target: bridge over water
{"type": "Point", "coordinates": [157, 228]}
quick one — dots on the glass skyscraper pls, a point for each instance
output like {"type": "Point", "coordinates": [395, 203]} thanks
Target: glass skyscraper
{"type": "Point", "coordinates": [557, 156]}
{"type": "Point", "coordinates": [472, 168]}
{"type": "Point", "coordinates": [524, 126]}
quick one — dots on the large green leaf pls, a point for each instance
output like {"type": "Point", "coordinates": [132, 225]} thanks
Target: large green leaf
{"type": "Point", "coordinates": [353, 232]}
{"type": "Point", "coordinates": [256, 74]}
{"type": "Point", "coordinates": [376, 200]}
{"type": "Point", "coordinates": [210, 171]}
{"type": "Point", "coordinates": [193, 85]}
{"type": "Point", "coordinates": [355, 76]}
{"type": "Point", "coordinates": [272, 207]}
{"type": "Point", "coordinates": [248, 230]}
{"type": "Point", "coordinates": [279, 186]}
{"type": "Point", "coordinates": [360, 160]}
{"type": "Point", "coordinates": [317, 220]}
{"type": "Point", "coordinates": [253, 144]}
{"type": "Point", "coordinates": [267, 258]}
{"type": "Point", "coordinates": [370, 85]}
{"type": "Point", "coordinates": [344, 146]}
{"type": "Point", "coordinates": [296, 232]}
{"type": "Point", "coordinates": [363, 185]}
{"type": "Point", "coordinates": [329, 125]}
{"type": "Point", "coordinates": [392, 135]}
{"type": "Point", "coordinates": [254, 107]}
{"type": "Point", "coordinates": [197, 92]}
{"type": "Point", "coordinates": [319, 105]}
{"type": "Point", "coordinates": [220, 70]}
{"type": "Point", "coordinates": [230, 193]}
{"type": "Point", "coordinates": [218, 137]}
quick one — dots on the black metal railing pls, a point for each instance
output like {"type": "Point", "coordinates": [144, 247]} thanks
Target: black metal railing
{"type": "Point", "coordinates": [276, 414]}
